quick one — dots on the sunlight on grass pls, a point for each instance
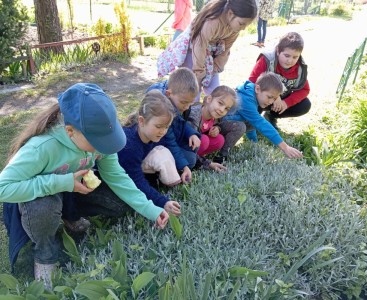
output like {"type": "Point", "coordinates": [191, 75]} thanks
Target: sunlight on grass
{"type": "Point", "coordinates": [10, 126]}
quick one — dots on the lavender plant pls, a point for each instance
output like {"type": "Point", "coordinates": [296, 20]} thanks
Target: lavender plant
{"type": "Point", "coordinates": [268, 228]}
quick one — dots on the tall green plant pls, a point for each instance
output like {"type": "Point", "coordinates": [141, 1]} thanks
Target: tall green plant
{"type": "Point", "coordinates": [13, 25]}
{"type": "Point", "coordinates": [357, 134]}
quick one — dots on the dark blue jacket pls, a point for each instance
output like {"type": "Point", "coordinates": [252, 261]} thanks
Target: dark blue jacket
{"type": "Point", "coordinates": [17, 236]}
{"type": "Point", "coordinates": [179, 132]}
{"type": "Point", "coordinates": [131, 158]}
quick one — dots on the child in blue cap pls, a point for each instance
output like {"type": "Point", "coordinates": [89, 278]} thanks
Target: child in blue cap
{"type": "Point", "coordinates": [50, 157]}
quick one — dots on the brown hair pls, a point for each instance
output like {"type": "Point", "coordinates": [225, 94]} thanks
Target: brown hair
{"type": "Point", "coordinates": [183, 81]}
{"type": "Point", "coordinates": [154, 104]}
{"type": "Point", "coordinates": [270, 81]}
{"type": "Point", "coordinates": [223, 91]}
{"type": "Point", "coordinates": [39, 125]}
{"type": "Point", "coordinates": [214, 8]}
{"type": "Point", "coordinates": [292, 40]}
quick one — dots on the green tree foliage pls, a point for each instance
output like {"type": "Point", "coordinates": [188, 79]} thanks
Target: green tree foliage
{"type": "Point", "coordinates": [13, 24]}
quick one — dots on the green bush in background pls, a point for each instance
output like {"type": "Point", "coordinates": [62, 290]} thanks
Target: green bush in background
{"type": "Point", "coordinates": [13, 25]}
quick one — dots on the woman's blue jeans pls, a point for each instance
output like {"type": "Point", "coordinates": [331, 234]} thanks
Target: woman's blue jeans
{"type": "Point", "coordinates": [261, 30]}
{"type": "Point", "coordinates": [41, 218]}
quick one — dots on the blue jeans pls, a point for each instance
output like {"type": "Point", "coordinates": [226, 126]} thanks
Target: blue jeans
{"type": "Point", "coordinates": [190, 155]}
{"type": "Point", "coordinates": [261, 30]}
{"type": "Point", "coordinates": [41, 218]}
{"type": "Point", "coordinates": [213, 83]}
{"type": "Point", "coordinates": [177, 33]}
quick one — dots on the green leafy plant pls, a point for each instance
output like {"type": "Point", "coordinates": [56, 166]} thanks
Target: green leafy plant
{"type": "Point", "coordinates": [13, 16]}
{"type": "Point", "coordinates": [176, 226]}
{"type": "Point", "coordinates": [340, 10]}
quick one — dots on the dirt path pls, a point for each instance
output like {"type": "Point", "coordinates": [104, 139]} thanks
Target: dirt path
{"type": "Point", "coordinates": [328, 43]}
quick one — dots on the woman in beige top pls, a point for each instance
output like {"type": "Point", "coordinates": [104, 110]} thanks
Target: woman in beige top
{"type": "Point", "coordinates": [205, 45]}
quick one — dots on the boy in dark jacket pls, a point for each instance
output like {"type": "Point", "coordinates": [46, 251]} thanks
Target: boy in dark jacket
{"type": "Point", "coordinates": [181, 139]}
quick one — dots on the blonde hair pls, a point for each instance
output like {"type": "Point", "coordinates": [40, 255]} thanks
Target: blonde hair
{"type": "Point", "coordinates": [183, 81]}
{"type": "Point", "coordinates": [223, 91]}
{"type": "Point", "coordinates": [154, 104]}
{"type": "Point", "coordinates": [215, 8]}
{"type": "Point", "coordinates": [39, 125]}
{"type": "Point", "coordinates": [270, 81]}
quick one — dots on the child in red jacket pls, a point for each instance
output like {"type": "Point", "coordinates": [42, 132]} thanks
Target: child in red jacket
{"type": "Point", "coordinates": [286, 61]}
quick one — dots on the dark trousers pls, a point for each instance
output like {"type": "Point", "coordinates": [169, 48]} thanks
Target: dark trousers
{"type": "Point", "coordinates": [41, 217]}
{"type": "Point", "coordinates": [297, 110]}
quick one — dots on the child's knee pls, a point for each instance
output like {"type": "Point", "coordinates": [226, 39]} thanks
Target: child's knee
{"type": "Point", "coordinates": [41, 217]}
{"type": "Point", "coordinates": [220, 140]}
{"type": "Point", "coordinates": [205, 141]}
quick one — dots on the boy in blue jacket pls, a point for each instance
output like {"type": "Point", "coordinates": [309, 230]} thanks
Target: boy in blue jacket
{"type": "Point", "coordinates": [251, 96]}
{"type": "Point", "coordinates": [181, 139]}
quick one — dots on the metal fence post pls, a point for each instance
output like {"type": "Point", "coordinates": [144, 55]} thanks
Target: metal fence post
{"type": "Point", "coordinates": [359, 58]}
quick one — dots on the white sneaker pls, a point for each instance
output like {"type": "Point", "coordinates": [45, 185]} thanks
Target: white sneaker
{"type": "Point", "coordinates": [43, 272]}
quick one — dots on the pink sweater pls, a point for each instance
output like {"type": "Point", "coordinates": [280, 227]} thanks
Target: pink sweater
{"type": "Point", "coordinates": [182, 14]}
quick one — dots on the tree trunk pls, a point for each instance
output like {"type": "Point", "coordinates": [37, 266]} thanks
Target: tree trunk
{"type": "Point", "coordinates": [48, 23]}
{"type": "Point", "coordinates": [306, 6]}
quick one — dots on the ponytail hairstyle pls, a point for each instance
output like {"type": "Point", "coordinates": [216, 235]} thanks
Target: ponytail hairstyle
{"type": "Point", "coordinates": [292, 40]}
{"type": "Point", "coordinates": [223, 91]}
{"type": "Point", "coordinates": [270, 81]}
{"type": "Point", "coordinates": [215, 8]}
{"type": "Point", "coordinates": [39, 125]}
{"type": "Point", "coordinates": [154, 104]}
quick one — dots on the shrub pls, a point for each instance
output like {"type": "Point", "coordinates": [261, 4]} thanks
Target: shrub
{"type": "Point", "coordinates": [13, 25]}
{"type": "Point", "coordinates": [340, 10]}
{"type": "Point", "coordinates": [357, 134]}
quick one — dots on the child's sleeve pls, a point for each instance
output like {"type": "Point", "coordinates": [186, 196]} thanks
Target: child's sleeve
{"type": "Point", "coordinates": [123, 186]}
{"type": "Point", "coordinates": [249, 112]}
{"type": "Point", "coordinates": [297, 96]}
{"type": "Point", "coordinates": [259, 68]}
{"type": "Point", "coordinates": [131, 161]}
{"type": "Point", "coordinates": [221, 60]}
{"type": "Point", "coordinates": [20, 180]}
{"type": "Point", "coordinates": [199, 47]}
{"type": "Point", "coordinates": [189, 131]}
{"type": "Point", "coordinates": [194, 117]}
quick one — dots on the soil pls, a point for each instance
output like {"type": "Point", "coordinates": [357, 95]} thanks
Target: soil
{"type": "Point", "coordinates": [328, 43]}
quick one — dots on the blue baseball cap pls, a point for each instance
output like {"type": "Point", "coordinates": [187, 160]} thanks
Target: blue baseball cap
{"type": "Point", "coordinates": [87, 108]}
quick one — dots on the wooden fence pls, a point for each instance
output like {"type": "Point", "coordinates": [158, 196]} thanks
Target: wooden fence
{"type": "Point", "coordinates": [28, 58]}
